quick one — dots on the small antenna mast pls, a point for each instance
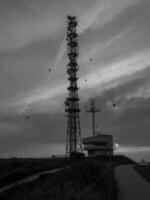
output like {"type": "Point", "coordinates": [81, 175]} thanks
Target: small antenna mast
{"type": "Point", "coordinates": [93, 110]}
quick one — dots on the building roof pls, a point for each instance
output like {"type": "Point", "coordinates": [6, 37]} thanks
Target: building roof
{"type": "Point", "coordinates": [98, 140]}
{"type": "Point", "coordinates": [92, 147]}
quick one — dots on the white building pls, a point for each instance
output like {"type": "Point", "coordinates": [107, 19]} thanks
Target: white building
{"type": "Point", "coordinates": [100, 145]}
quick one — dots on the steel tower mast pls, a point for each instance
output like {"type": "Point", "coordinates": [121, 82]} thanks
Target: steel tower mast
{"type": "Point", "coordinates": [73, 143]}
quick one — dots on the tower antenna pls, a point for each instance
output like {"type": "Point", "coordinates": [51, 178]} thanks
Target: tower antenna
{"type": "Point", "coordinates": [93, 110]}
{"type": "Point", "coordinates": [73, 143]}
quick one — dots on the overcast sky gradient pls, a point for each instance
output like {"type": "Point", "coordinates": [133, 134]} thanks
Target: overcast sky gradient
{"type": "Point", "coordinates": [114, 33]}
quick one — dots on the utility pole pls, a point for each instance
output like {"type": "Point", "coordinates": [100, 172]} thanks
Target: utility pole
{"type": "Point", "coordinates": [73, 143]}
{"type": "Point", "coordinates": [93, 110]}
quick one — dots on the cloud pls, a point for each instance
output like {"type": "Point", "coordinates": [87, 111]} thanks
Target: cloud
{"type": "Point", "coordinates": [130, 149]}
{"type": "Point", "coordinates": [137, 153]}
{"type": "Point", "coordinates": [25, 22]}
{"type": "Point", "coordinates": [21, 30]}
{"type": "Point", "coordinates": [91, 16]}
{"type": "Point", "coordinates": [85, 21]}
{"type": "Point", "coordinates": [118, 70]}
{"type": "Point", "coordinates": [109, 77]}
{"type": "Point", "coordinates": [114, 33]}
{"type": "Point", "coordinates": [42, 93]}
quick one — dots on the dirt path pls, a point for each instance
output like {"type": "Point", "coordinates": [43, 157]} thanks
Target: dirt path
{"type": "Point", "coordinates": [132, 186]}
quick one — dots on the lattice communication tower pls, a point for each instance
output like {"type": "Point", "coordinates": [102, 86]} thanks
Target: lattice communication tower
{"type": "Point", "coordinates": [73, 143]}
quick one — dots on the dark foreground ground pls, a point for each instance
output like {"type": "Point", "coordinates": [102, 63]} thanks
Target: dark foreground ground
{"type": "Point", "coordinates": [132, 186]}
{"type": "Point", "coordinates": [143, 170]}
{"type": "Point", "coordinates": [15, 169]}
{"type": "Point", "coordinates": [88, 179]}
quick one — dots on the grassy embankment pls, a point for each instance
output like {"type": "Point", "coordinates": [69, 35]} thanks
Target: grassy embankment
{"type": "Point", "coordinates": [88, 179]}
{"type": "Point", "coordinates": [144, 171]}
{"type": "Point", "coordinates": [15, 169]}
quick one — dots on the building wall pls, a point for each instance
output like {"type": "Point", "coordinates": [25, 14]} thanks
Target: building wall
{"type": "Point", "coordinates": [92, 153]}
{"type": "Point", "coordinates": [101, 145]}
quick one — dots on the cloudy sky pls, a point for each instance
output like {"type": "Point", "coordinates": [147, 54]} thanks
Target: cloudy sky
{"type": "Point", "coordinates": [114, 33]}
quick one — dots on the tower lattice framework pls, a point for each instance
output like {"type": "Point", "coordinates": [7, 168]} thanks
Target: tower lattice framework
{"type": "Point", "coordinates": [73, 143]}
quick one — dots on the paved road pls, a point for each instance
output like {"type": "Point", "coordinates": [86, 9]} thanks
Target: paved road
{"type": "Point", "coordinates": [29, 179]}
{"type": "Point", "coordinates": [132, 186]}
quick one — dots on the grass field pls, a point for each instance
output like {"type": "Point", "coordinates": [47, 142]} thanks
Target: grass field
{"type": "Point", "coordinates": [14, 169]}
{"type": "Point", "coordinates": [88, 179]}
{"type": "Point", "coordinates": [143, 170]}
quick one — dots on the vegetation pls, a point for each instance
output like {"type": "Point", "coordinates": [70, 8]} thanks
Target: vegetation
{"type": "Point", "coordinates": [88, 179]}
{"type": "Point", "coordinates": [15, 169]}
{"type": "Point", "coordinates": [143, 170]}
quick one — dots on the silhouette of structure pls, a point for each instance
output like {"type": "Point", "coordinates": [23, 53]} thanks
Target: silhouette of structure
{"type": "Point", "coordinates": [93, 110]}
{"type": "Point", "coordinates": [73, 143]}
{"type": "Point", "coordinates": [99, 145]}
